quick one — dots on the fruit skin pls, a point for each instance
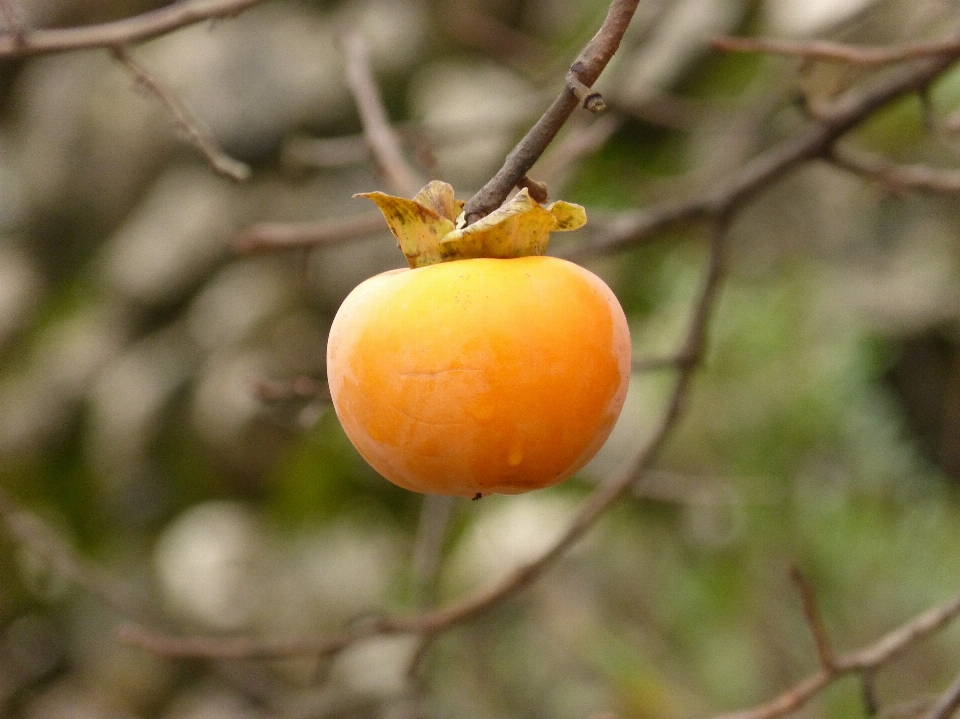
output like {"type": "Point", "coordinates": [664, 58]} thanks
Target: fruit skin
{"type": "Point", "coordinates": [479, 375]}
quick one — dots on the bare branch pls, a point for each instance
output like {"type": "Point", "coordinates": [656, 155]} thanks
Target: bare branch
{"type": "Point", "coordinates": [869, 658]}
{"type": "Point", "coordinates": [893, 175]}
{"type": "Point", "coordinates": [947, 704]}
{"type": "Point", "coordinates": [538, 190]}
{"type": "Point", "coordinates": [812, 613]}
{"type": "Point", "coordinates": [381, 137]}
{"type": "Point", "coordinates": [579, 142]}
{"type": "Point", "coordinates": [824, 50]}
{"type": "Point", "coordinates": [196, 134]}
{"type": "Point", "coordinates": [14, 19]}
{"type": "Point", "coordinates": [120, 32]}
{"type": "Point", "coordinates": [591, 100]}
{"type": "Point", "coordinates": [476, 29]}
{"type": "Point", "coordinates": [845, 113]}
{"type": "Point", "coordinates": [586, 69]}
{"type": "Point", "coordinates": [435, 512]}
{"type": "Point", "coordinates": [298, 388]}
{"type": "Point", "coordinates": [278, 236]}
{"type": "Point", "coordinates": [654, 364]}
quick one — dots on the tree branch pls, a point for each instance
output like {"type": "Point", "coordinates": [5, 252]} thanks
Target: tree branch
{"type": "Point", "coordinates": [376, 125]}
{"type": "Point", "coordinates": [586, 69]}
{"type": "Point", "coordinates": [825, 50]}
{"type": "Point", "coordinates": [893, 175]}
{"type": "Point", "coordinates": [197, 135]}
{"type": "Point", "coordinates": [13, 18]}
{"type": "Point", "coordinates": [842, 115]}
{"type": "Point", "coordinates": [869, 658]}
{"type": "Point", "coordinates": [812, 613]}
{"type": "Point", "coordinates": [277, 236]}
{"type": "Point", "coordinates": [120, 32]}
{"type": "Point", "coordinates": [947, 704]}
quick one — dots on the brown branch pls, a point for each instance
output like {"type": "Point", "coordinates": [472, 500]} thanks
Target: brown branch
{"type": "Point", "coordinates": [947, 704]}
{"type": "Point", "coordinates": [435, 511]}
{"type": "Point", "coordinates": [298, 388]}
{"type": "Point", "coordinates": [196, 134]}
{"type": "Point", "coordinates": [579, 142]}
{"type": "Point", "coordinates": [895, 176]}
{"type": "Point", "coordinates": [654, 364]}
{"type": "Point", "coordinates": [811, 611]}
{"type": "Point", "coordinates": [869, 658]}
{"type": "Point", "coordinates": [825, 50]}
{"type": "Point", "coordinates": [538, 190]}
{"type": "Point", "coordinates": [14, 19]}
{"type": "Point", "coordinates": [120, 32]}
{"type": "Point", "coordinates": [278, 236]}
{"type": "Point", "coordinates": [478, 30]}
{"type": "Point", "coordinates": [376, 125]}
{"type": "Point", "coordinates": [590, 99]}
{"type": "Point", "coordinates": [586, 69]}
{"type": "Point", "coordinates": [842, 115]}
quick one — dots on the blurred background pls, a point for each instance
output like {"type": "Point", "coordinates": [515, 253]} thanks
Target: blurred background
{"type": "Point", "coordinates": [147, 415]}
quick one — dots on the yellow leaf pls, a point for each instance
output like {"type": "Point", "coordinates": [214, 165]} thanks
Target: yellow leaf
{"type": "Point", "coordinates": [424, 226]}
{"type": "Point", "coordinates": [569, 216]}
{"type": "Point", "coordinates": [438, 196]}
{"type": "Point", "coordinates": [418, 229]}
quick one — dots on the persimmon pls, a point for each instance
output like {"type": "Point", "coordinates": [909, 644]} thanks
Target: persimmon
{"type": "Point", "coordinates": [479, 375]}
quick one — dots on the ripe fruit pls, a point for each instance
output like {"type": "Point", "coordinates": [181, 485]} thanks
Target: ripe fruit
{"type": "Point", "coordinates": [479, 375]}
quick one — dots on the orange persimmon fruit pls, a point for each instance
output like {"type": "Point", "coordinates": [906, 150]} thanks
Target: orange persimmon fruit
{"type": "Point", "coordinates": [479, 375]}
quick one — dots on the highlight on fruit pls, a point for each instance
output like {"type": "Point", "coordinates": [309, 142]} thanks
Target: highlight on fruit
{"type": "Point", "coordinates": [486, 367]}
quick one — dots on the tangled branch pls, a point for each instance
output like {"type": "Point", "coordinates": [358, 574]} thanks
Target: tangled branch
{"type": "Point", "coordinates": [815, 142]}
{"type": "Point", "coordinates": [867, 659]}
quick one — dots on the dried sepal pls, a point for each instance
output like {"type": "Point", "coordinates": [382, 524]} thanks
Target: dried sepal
{"type": "Point", "coordinates": [425, 230]}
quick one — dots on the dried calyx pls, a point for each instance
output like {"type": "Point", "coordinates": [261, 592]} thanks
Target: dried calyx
{"type": "Point", "coordinates": [429, 228]}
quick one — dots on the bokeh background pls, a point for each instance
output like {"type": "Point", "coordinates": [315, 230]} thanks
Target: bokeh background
{"type": "Point", "coordinates": [823, 431]}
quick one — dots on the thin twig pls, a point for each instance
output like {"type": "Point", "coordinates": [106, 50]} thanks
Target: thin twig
{"type": "Point", "coordinates": [654, 364]}
{"type": "Point", "coordinates": [376, 125]}
{"type": "Point", "coordinates": [870, 657]}
{"type": "Point", "coordinates": [586, 68]}
{"type": "Point", "coordinates": [811, 611]}
{"type": "Point", "coordinates": [590, 99]}
{"type": "Point", "coordinates": [15, 20]}
{"type": "Point", "coordinates": [843, 114]}
{"type": "Point", "coordinates": [947, 704]}
{"type": "Point", "coordinates": [825, 50]}
{"type": "Point", "coordinates": [298, 388]}
{"type": "Point", "coordinates": [120, 32]}
{"type": "Point", "coordinates": [538, 190]}
{"type": "Point", "coordinates": [577, 143]}
{"type": "Point", "coordinates": [435, 512]}
{"type": "Point", "coordinates": [196, 134]}
{"type": "Point", "coordinates": [278, 236]}
{"type": "Point", "coordinates": [893, 175]}
{"type": "Point", "coordinates": [479, 30]}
